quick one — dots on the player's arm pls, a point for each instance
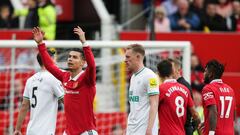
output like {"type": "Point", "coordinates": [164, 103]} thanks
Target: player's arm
{"type": "Point", "coordinates": [21, 116]}
{"type": "Point", "coordinates": [91, 68]}
{"type": "Point", "coordinates": [153, 92]}
{"type": "Point", "coordinates": [194, 114]}
{"type": "Point", "coordinates": [212, 118]}
{"type": "Point", "coordinates": [210, 103]}
{"type": "Point", "coordinates": [152, 113]}
{"type": "Point", "coordinates": [38, 36]}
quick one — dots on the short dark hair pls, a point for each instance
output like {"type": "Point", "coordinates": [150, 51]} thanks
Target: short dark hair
{"type": "Point", "coordinates": [165, 68]}
{"type": "Point", "coordinates": [80, 51]}
{"type": "Point", "coordinates": [216, 68]}
{"type": "Point", "coordinates": [50, 52]}
{"type": "Point", "coordinates": [137, 48]}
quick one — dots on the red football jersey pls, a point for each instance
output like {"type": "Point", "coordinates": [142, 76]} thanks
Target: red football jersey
{"type": "Point", "coordinates": [174, 100]}
{"type": "Point", "coordinates": [79, 94]}
{"type": "Point", "coordinates": [219, 94]}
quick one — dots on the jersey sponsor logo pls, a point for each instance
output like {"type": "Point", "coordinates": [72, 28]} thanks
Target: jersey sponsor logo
{"type": "Point", "coordinates": [72, 92]}
{"type": "Point", "coordinates": [208, 95]}
{"type": "Point", "coordinates": [153, 82]}
{"type": "Point", "coordinates": [133, 98]}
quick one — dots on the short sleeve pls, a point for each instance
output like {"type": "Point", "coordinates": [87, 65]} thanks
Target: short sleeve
{"type": "Point", "coordinates": [26, 93]}
{"type": "Point", "coordinates": [208, 97]}
{"type": "Point", "coordinates": [58, 89]}
{"type": "Point", "coordinates": [152, 84]}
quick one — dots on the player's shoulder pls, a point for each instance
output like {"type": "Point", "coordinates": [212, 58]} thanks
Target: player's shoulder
{"type": "Point", "coordinates": [181, 85]}
{"type": "Point", "coordinates": [149, 73]}
{"type": "Point", "coordinates": [167, 85]}
{"type": "Point", "coordinates": [228, 87]}
{"type": "Point", "coordinates": [30, 79]}
{"type": "Point", "coordinates": [46, 77]}
{"type": "Point", "coordinates": [50, 77]}
{"type": "Point", "coordinates": [208, 87]}
{"type": "Point", "coordinates": [33, 77]}
{"type": "Point", "coordinates": [164, 86]}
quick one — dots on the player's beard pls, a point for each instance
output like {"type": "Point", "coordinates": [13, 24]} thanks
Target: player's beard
{"type": "Point", "coordinates": [206, 80]}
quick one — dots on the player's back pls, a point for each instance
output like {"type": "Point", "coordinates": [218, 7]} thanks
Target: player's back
{"type": "Point", "coordinates": [41, 92]}
{"type": "Point", "coordinates": [173, 102]}
{"type": "Point", "coordinates": [225, 103]}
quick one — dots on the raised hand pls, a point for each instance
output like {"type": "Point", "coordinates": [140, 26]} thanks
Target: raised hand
{"type": "Point", "coordinates": [38, 35]}
{"type": "Point", "coordinates": [77, 30]}
{"type": "Point", "coordinates": [149, 132]}
{"type": "Point", "coordinates": [17, 132]}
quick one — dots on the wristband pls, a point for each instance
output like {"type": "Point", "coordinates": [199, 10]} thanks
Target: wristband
{"type": "Point", "coordinates": [85, 44]}
{"type": "Point", "coordinates": [211, 133]}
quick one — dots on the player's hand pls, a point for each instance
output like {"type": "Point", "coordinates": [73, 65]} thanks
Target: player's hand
{"type": "Point", "coordinates": [77, 30]}
{"type": "Point", "coordinates": [149, 132]}
{"type": "Point", "coordinates": [38, 35]}
{"type": "Point", "coordinates": [124, 132]}
{"type": "Point", "coordinates": [17, 132]}
{"type": "Point", "coordinates": [201, 127]}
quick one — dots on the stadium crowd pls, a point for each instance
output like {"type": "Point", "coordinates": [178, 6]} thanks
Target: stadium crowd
{"type": "Point", "coordinates": [197, 15]}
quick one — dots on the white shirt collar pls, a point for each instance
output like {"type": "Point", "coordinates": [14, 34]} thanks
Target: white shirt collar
{"type": "Point", "coordinates": [217, 81]}
{"type": "Point", "coordinates": [170, 81]}
{"type": "Point", "coordinates": [76, 77]}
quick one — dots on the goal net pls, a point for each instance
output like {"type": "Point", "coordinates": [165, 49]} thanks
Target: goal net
{"type": "Point", "coordinates": [18, 63]}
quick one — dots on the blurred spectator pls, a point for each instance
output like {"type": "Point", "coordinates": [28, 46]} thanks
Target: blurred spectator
{"type": "Point", "coordinates": [197, 6]}
{"type": "Point", "coordinates": [47, 18]}
{"type": "Point", "coordinates": [2, 61]}
{"type": "Point", "coordinates": [235, 18]}
{"type": "Point", "coordinates": [196, 73]}
{"type": "Point", "coordinates": [26, 57]}
{"type": "Point", "coordinates": [31, 13]}
{"type": "Point", "coordinates": [197, 98]}
{"type": "Point", "coordinates": [183, 19]}
{"type": "Point", "coordinates": [161, 22]}
{"type": "Point", "coordinates": [5, 17]}
{"type": "Point", "coordinates": [224, 8]}
{"type": "Point", "coordinates": [18, 91]}
{"type": "Point", "coordinates": [212, 21]}
{"type": "Point", "coordinates": [170, 6]}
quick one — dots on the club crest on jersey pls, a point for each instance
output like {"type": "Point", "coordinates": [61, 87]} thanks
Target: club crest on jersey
{"type": "Point", "coordinates": [208, 95]}
{"type": "Point", "coordinates": [153, 82]}
{"type": "Point", "coordinates": [71, 84]}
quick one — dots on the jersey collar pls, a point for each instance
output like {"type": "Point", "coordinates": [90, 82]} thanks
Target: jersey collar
{"type": "Point", "coordinates": [139, 71]}
{"type": "Point", "coordinates": [217, 81]}
{"type": "Point", "coordinates": [170, 81]}
{"type": "Point", "coordinates": [76, 77]}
